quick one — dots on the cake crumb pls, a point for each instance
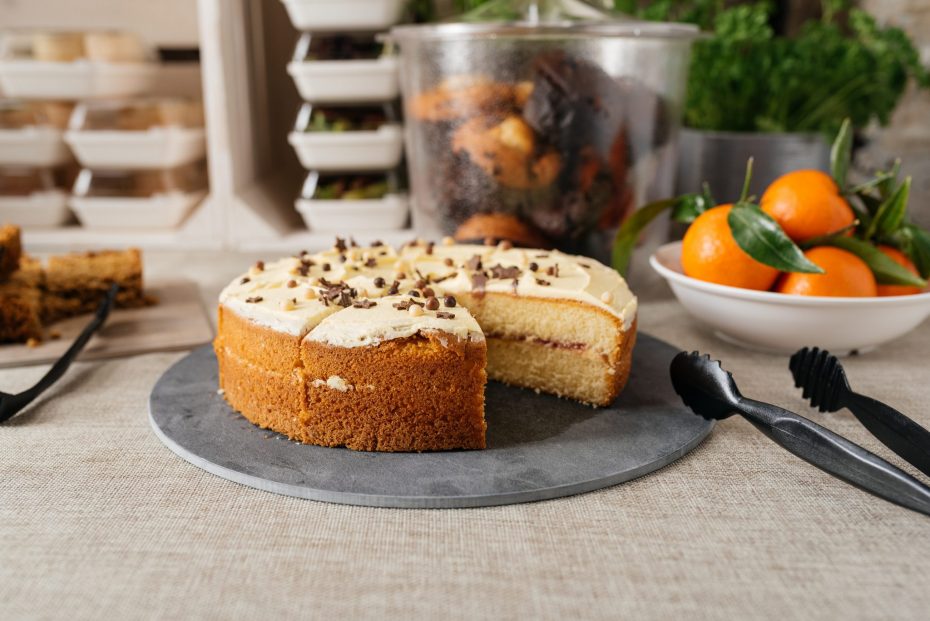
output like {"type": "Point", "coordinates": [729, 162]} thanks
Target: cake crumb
{"type": "Point", "coordinates": [34, 342]}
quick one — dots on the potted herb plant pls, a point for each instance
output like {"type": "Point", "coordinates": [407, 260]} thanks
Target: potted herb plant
{"type": "Point", "coordinates": [755, 93]}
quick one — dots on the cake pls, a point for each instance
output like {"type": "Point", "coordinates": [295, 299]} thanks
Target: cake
{"type": "Point", "coordinates": [33, 295]}
{"type": "Point", "coordinates": [21, 304]}
{"type": "Point", "coordinates": [10, 250]}
{"type": "Point", "coordinates": [375, 349]}
{"type": "Point", "coordinates": [76, 283]}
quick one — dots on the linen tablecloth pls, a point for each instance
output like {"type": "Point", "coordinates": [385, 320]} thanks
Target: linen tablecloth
{"type": "Point", "coordinates": [99, 520]}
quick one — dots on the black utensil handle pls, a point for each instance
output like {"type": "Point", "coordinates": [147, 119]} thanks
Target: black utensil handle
{"type": "Point", "coordinates": [895, 430]}
{"type": "Point", "coordinates": [15, 403]}
{"type": "Point", "coordinates": [837, 455]}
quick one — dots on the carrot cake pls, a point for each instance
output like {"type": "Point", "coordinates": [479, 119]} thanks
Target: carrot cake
{"type": "Point", "coordinates": [76, 283]}
{"type": "Point", "coordinates": [377, 349]}
{"type": "Point", "coordinates": [21, 304]}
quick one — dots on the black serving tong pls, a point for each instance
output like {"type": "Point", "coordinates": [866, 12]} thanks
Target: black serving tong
{"type": "Point", "coordinates": [10, 405]}
{"type": "Point", "coordinates": [711, 392]}
{"type": "Point", "coordinates": [824, 382]}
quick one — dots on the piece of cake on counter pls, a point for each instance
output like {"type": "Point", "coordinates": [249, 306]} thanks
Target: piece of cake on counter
{"type": "Point", "coordinates": [10, 250]}
{"type": "Point", "coordinates": [21, 304]}
{"type": "Point", "coordinates": [76, 283]}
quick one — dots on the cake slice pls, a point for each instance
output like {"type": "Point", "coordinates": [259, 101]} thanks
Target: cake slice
{"type": "Point", "coordinates": [10, 250]}
{"type": "Point", "coordinates": [21, 304]}
{"type": "Point", "coordinates": [396, 374]}
{"type": "Point", "coordinates": [76, 283]}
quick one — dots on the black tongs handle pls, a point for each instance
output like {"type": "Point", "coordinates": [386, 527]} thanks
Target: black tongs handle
{"type": "Point", "coordinates": [10, 405]}
{"type": "Point", "coordinates": [895, 430]}
{"type": "Point", "coordinates": [837, 455]}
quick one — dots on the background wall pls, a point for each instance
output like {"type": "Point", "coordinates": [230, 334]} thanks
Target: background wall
{"type": "Point", "coordinates": [908, 136]}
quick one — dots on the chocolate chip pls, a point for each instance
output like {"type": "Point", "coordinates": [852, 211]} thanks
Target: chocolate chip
{"type": "Point", "coordinates": [428, 292]}
{"type": "Point", "coordinates": [534, 266]}
{"type": "Point", "coordinates": [326, 267]}
{"type": "Point", "coordinates": [449, 301]}
{"type": "Point", "coordinates": [553, 270]}
{"type": "Point", "coordinates": [429, 248]}
{"type": "Point", "coordinates": [260, 266]}
{"type": "Point", "coordinates": [340, 245]}
{"type": "Point", "coordinates": [379, 282]}
{"type": "Point", "coordinates": [432, 304]}
{"type": "Point", "coordinates": [254, 300]}
{"type": "Point", "coordinates": [377, 243]}
{"type": "Point", "coordinates": [371, 262]}
{"type": "Point", "coordinates": [449, 262]}
{"type": "Point", "coordinates": [245, 279]}
{"type": "Point", "coordinates": [420, 284]}
{"type": "Point", "coordinates": [414, 293]}
{"type": "Point", "coordinates": [291, 284]}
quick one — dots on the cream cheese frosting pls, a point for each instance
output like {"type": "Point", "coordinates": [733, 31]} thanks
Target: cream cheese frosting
{"type": "Point", "coordinates": [298, 295]}
{"type": "Point", "coordinates": [390, 318]}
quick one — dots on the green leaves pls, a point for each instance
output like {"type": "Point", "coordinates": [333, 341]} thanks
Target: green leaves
{"type": "Point", "coordinates": [890, 214]}
{"type": "Point", "coordinates": [915, 243]}
{"type": "Point", "coordinates": [684, 208]}
{"type": "Point", "coordinates": [761, 238]}
{"type": "Point", "coordinates": [841, 154]}
{"type": "Point", "coordinates": [886, 271]}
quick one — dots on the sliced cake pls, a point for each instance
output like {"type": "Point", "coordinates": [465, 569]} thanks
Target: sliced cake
{"type": "Point", "coordinates": [382, 350]}
{"type": "Point", "coordinates": [76, 283]}
{"type": "Point", "coordinates": [21, 304]}
{"type": "Point", "coordinates": [10, 250]}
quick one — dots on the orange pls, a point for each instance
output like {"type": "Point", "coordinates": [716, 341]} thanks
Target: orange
{"type": "Point", "coordinates": [846, 275]}
{"type": "Point", "coordinates": [901, 259]}
{"type": "Point", "coordinates": [709, 252]}
{"type": "Point", "coordinates": [807, 203]}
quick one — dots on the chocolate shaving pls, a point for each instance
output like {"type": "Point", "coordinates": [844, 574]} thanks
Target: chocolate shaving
{"type": "Point", "coordinates": [499, 271]}
{"type": "Point", "coordinates": [478, 281]}
{"type": "Point", "coordinates": [326, 267]}
{"type": "Point", "coordinates": [544, 283]}
{"type": "Point", "coordinates": [254, 300]}
{"type": "Point", "coordinates": [340, 245]}
{"type": "Point", "coordinates": [474, 263]}
{"type": "Point", "coordinates": [436, 281]}
{"type": "Point", "coordinates": [395, 287]}
{"type": "Point", "coordinates": [371, 262]}
{"type": "Point", "coordinates": [245, 279]}
{"type": "Point", "coordinates": [377, 243]}
{"type": "Point", "coordinates": [303, 269]}
{"type": "Point", "coordinates": [406, 304]}
{"type": "Point", "coordinates": [445, 315]}
{"type": "Point", "coordinates": [364, 304]}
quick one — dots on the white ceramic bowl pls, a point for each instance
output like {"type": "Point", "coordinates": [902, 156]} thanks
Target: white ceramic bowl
{"type": "Point", "coordinates": [378, 214]}
{"type": "Point", "coordinates": [158, 147]}
{"type": "Point", "coordinates": [782, 323]}
{"type": "Point", "coordinates": [344, 15]}
{"type": "Point", "coordinates": [346, 81]}
{"type": "Point", "coordinates": [379, 149]}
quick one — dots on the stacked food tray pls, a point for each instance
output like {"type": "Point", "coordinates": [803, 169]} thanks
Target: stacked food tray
{"type": "Point", "coordinates": [348, 133]}
{"type": "Point", "coordinates": [79, 135]}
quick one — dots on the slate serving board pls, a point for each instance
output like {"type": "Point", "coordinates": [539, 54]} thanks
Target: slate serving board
{"type": "Point", "coordinates": [539, 446]}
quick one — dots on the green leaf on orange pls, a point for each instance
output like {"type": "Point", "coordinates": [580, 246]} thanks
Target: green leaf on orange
{"type": "Point", "coordinates": [764, 240]}
{"type": "Point", "coordinates": [891, 213]}
{"type": "Point", "coordinates": [841, 154]}
{"type": "Point", "coordinates": [886, 271]}
{"type": "Point", "coordinates": [629, 232]}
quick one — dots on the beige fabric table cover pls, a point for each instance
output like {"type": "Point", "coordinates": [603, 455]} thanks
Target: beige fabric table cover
{"type": "Point", "coordinates": [99, 520]}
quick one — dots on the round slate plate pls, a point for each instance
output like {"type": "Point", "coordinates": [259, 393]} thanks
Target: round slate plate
{"type": "Point", "coordinates": [539, 446]}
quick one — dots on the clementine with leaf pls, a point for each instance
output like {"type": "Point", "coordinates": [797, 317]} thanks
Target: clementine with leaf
{"type": "Point", "coordinates": [710, 253]}
{"type": "Point", "coordinates": [845, 275]}
{"type": "Point", "coordinates": [807, 204]}
{"type": "Point", "coordinates": [901, 259]}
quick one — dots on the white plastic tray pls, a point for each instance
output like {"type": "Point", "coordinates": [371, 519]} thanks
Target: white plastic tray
{"type": "Point", "coordinates": [44, 209]}
{"type": "Point", "coordinates": [82, 79]}
{"type": "Point", "coordinates": [346, 81]}
{"type": "Point", "coordinates": [33, 146]}
{"type": "Point", "coordinates": [344, 15]}
{"type": "Point", "coordinates": [379, 149]}
{"type": "Point", "coordinates": [159, 211]}
{"type": "Point", "coordinates": [158, 147]}
{"type": "Point", "coordinates": [384, 214]}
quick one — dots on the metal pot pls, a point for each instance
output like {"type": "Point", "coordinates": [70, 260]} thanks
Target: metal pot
{"type": "Point", "coordinates": [546, 134]}
{"type": "Point", "coordinates": [719, 158]}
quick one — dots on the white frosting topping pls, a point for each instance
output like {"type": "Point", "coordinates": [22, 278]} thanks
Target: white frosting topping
{"type": "Point", "coordinates": [298, 295]}
{"type": "Point", "coordinates": [389, 319]}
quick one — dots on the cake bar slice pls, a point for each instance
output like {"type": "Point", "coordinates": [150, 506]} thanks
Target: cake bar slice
{"type": "Point", "coordinates": [21, 304]}
{"type": "Point", "coordinates": [76, 283]}
{"type": "Point", "coordinates": [10, 250]}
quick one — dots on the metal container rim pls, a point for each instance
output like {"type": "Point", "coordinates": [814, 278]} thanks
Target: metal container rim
{"type": "Point", "coordinates": [526, 30]}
